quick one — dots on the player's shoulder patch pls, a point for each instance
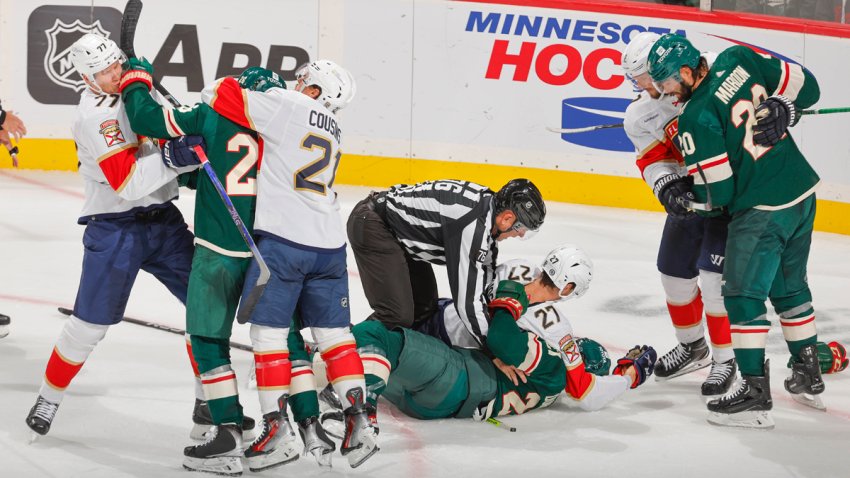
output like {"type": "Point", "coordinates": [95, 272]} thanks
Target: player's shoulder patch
{"type": "Point", "coordinates": [568, 346]}
{"type": "Point", "coordinates": [111, 132]}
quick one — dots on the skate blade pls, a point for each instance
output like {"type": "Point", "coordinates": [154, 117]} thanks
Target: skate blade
{"type": "Point", "coordinates": [813, 401]}
{"type": "Point", "coordinates": [323, 457]}
{"type": "Point", "coordinates": [367, 448]}
{"type": "Point", "coordinates": [222, 465]}
{"type": "Point", "coordinates": [760, 419]}
{"type": "Point", "coordinates": [33, 438]}
{"type": "Point", "coordinates": [280, 456]}
{"type": "Point", "coordinates": [690, 368]}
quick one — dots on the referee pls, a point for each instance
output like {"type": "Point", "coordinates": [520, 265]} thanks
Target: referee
{"type": "Point", "coordinates": [397, 234]}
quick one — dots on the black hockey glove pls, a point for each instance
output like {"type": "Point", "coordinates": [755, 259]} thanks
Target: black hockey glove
{"type": "Point", "coordinates": [642, 358]}
{"type": "Point", "coordinates": [773, 117]}
{"type": "Point", "coordinates": [178, 153]}
{"type": "Point", "coordinates": [673, 190]}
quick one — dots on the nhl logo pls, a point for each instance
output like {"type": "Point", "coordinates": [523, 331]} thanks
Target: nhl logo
{"type": "Point", "coordinates": [57, 60]}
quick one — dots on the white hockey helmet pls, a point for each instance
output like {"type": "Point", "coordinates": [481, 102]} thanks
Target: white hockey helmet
{"type": "Point", "coordinates": [337, 84]}
{"type": "Point", "coordinates": [93, 53]}
{"type": "Point", "coordinates": [636, 54]}
{"type": "Point", "coordinates": [569, 264]}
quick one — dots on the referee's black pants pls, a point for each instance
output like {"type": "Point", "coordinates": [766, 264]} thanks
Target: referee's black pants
{"type": "Point", "coordinates": [401, 291]}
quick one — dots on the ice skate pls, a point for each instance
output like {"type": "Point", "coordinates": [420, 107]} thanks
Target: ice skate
{"type": "Point", "coordinates": [316, 441]}
{"type": "Point", "coordinates": [5, 321]}
{"type": "Point", "coordinates": [203, 424]}
{"type": "Point", "coordinates": [275, 446]}
{"type": "Point", "coordinates": [331, 418]}
{"type": "Point", "coordinates": [221, 454]}
{"type": "Point", "coordinates": [684, 358]}
{"type": "Point", "coordinates": [361, 439]}
{"type": "Point", "coordinates": [806, 383]}
{"type": "Point", "coordinates": [746, 405]}
{"type": "Point", "coordinates": [41, 416]}
{"type": "Point", "coordinates": [720, 379]}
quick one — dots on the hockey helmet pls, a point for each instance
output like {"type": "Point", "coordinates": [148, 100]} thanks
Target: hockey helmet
{"type": "Point", "coordinates": [670, 53]}
{"type": "Point", "coordinates": [523, 198]}
{"type": "Point", "coordinates": [595, 357]}
{"type": "Point", "coordinates": [257, 78]}
{"type": "Point", "coordinates": [336, 83]}
{"type": "Point", "coordinates": [93, 53]}
{"type": "Point", "coordinates": [569, 264]}
{"type": "Point", "coordinates": [636, 54]}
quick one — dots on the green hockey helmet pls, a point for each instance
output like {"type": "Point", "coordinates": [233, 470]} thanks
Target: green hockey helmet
{"type": "Point", "coordinates": [668, 55]}
{"type": "Point", "coordinates": [596, 358]}
{"type": "Point", "coordinates": [257, 78]}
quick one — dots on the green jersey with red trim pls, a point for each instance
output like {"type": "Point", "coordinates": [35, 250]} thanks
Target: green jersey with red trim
{"type": "Point", "coordinates": [545, 371]}
{"type": "Point", "coordinates": [234, 153]}
{"type": "Point", "coordinates": [716, 133]}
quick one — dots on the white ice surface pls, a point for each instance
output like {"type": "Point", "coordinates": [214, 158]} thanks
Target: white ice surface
{"type": "Point", "coordinates": [128, 411]}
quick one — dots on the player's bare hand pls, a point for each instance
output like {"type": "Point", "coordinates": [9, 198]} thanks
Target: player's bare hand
{"type": "Point", "coordinates": [4, 139]}
{"type": "Point", "coordinates": [14, 126]}
{"type": "Point", "coordinates": [514, 374]}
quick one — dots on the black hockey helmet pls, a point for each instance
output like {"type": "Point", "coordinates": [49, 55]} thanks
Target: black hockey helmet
{"type": "Point", "coordinates": [523, 198]}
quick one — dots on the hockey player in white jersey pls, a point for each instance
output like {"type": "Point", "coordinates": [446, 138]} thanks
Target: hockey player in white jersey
{"type": "Point", "coordinates": [691, 253]}
{"type": "Point", "coordinates": [131, 224]}
{"type": "Point", "coordinates": [301, 236]}
{"type": "Point", "coordinates": [569, 269]}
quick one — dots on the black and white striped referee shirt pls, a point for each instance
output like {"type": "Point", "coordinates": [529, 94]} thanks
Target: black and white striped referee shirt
{"type": "Point", "coordinates": [448, 222]}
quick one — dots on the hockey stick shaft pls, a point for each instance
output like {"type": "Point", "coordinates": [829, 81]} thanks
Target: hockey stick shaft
{"type": "Point", "coordinates": [250, 303]}
{"type": "Point", "coordinates": [822, 111]}
{"type": "Point", "coordinates": [826, 111]}
{"type": "Point", "coordinates": [165, 328]}
{"type": "Point", "coordinates": [129, 20]}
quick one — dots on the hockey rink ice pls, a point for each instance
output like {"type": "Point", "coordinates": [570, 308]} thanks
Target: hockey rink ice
{"type": "Point", "coordinates": [128, 412]}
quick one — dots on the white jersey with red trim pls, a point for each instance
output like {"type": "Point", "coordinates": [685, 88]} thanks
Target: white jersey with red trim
{"type": "Point", "coordinates": [295, 199]}
{"type": "Point", "coordinates": [121, 175]}
{"type": "Point", "coordinates": [652, 127]}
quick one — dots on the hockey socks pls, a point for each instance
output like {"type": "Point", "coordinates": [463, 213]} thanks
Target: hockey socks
{"type": "Point", "coordinates": [274, 370]}
{"type": "Point", "coordinates": [75, 343]}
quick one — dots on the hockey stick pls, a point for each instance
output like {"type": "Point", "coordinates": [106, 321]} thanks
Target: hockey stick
{"type": "Point", "coordinates": [166, 328]}
{"type": "Point", "coordinates": [132, 12]}
{"type": "Point", "coordinates": [822, 111]}
{"type": "Point", "coordinates": [250, 303]}
{"type": "Point", "coordinates": [13, 152]}
{"type": "Point", "coordinates": [696, 206]}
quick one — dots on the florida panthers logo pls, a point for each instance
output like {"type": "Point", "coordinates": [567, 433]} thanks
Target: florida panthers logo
{"type": "Point", "coordinates": [57, 60]}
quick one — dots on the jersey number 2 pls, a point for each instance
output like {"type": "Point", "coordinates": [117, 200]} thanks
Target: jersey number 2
{"type": "Point", "coordinates": [236, 182]}
{"type": "Point", "coordinates": [747, 108]}
{"type": "Point", "coordinates": [305, 177]}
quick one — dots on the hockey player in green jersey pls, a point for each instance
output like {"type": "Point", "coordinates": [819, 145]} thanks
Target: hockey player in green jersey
{"type": "Point", "coordinates": [220, 263]}
{"type": "Point", "coordinates": [427, 379]}
{"type": "Point", "coordinates": [732, 132]}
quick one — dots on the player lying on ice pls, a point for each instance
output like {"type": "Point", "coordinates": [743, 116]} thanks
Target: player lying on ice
{"type": "Point", "coordinates": [426, 378]}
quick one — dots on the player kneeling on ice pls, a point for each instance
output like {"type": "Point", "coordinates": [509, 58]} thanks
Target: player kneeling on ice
{"type": "Point", "coordinates": [427, 379]}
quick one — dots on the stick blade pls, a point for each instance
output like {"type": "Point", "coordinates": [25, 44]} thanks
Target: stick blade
{"type": "Point", "coordinates": [129, 20]}
{"type": "Point", "coordinates": [250, 303]}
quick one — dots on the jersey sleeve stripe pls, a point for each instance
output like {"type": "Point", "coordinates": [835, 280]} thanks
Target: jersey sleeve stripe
{"type": "Point", "coordinates": [791, 81]}
{"type": "Point", "coordinates": [171, 125]}
{"type": "Point", "coordinates": [657, 152]}
{"type": "Point", "coordinates": [716, 169]}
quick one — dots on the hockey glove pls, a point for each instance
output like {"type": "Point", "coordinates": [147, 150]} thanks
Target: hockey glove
{"type": "Point", "coordinates": [178, 152]}
{"type": "Point", "coordinates": [511, 297]}
{"type": "Point", "coordinates": [642, 358]}
{"type": "Point", "coordinates": [773, 117]}
{"type": "Point", "coordinates": [673, 190]}
{"type": "Point", "coordinates": [832, 357]}
{"type": "Point", "coordinates": [137, 71]}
